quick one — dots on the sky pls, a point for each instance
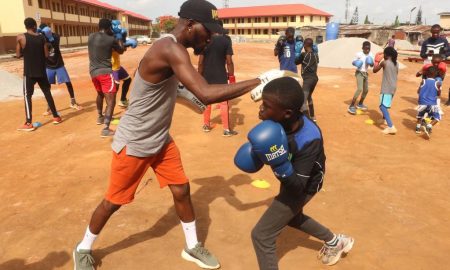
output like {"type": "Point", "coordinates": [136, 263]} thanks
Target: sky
{"type": "Point", "coordinates": [384, 12]}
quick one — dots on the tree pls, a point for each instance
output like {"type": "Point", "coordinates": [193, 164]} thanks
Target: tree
{"type": "Point", "coordinates": [397, 22]}
{"type": "Point", "coordinates": [419, 16]}
{"type": "Point", "coordinates": [366, 20]}
{"type": "Point", "coordinates": [355, 16]}
{"type": "Point", "coordinates": [167, 23]}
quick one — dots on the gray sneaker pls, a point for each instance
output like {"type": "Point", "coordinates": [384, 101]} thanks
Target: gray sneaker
{"type": "Point", "coordinates": [229, 133]}
{"type": "Point", "coordinates": [201, 256]}
{"type": "Point", "coordinates": [330, 255]}
{"type": "Point", "coordinates": [106, 132]}
{"type": "Point", "coordinates": [83, 259]}
{"type": "Point", "coordinates": [100, 120]}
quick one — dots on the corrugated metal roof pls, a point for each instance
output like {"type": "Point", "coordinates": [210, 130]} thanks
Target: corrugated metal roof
{"type": "Point", "coordinates": [271, 10]}
{"type": "Point", "coordinates": [414, 28]}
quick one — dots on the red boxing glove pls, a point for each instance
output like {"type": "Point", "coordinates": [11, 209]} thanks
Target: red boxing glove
{"type": "Point", "coordinates": [231, 79]}
{"type": "Point", "coordinates": [378, 58]}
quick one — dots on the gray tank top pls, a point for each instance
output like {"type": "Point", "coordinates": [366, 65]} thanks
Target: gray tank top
{"type": "Point", "coordinates": [389, 82]}
{"type": "Point", "coordinates": [144, 129]}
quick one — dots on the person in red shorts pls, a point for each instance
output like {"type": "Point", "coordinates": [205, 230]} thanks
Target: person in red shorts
{"type": "Point", "coordinates": [100, 46]}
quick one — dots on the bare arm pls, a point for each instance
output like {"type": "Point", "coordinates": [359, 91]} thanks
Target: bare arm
{"type": "Point", "coordinates": [179, 61]}
{"type": "Point", "coordinates": [379, 67]}
{"type": "Point", "coordinates": [118, 46]}
{"type": "Point", "coordinates": [46, 49]}
{"type": "Point", "coordinates": [19, 45]}
{"type": "Point", "coordinates": [200, 64]}
{"type": "Point", "coordinates": [230, 65]}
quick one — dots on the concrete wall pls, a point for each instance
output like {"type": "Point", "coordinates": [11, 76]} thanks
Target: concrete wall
{"type": "Point", "coordinates": [12, 16]}
{"type": "Point", "coordinates": [445, 21]}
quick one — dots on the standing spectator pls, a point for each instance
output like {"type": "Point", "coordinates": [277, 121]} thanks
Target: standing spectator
{"type": "Point", "coordinates": [211, 64]}
{"type": "Point", "coordinates": [390, 42]}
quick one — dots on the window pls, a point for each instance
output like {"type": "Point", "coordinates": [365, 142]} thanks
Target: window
{"type": "Point", "coordinates": [266, 19]}
{"type": "Point", "coordinates": [292, 18]}
{"type": "Point", "coordinates": [249, 20]}
{"type": "Point", "coordinates": [275, 19]}
{"type": "Point", "coordinates": [249, 31]}
{"type": "Point", "coordinates": [58, 7]}
{"type": "Point", "coordinates": [233, 21]}
{"type": "Point", "coordinates": [53, 6]}
{"type": "Point", "coordinates": [30, 2]}
{"type": "Point", "coordinates": [311, 18]}
{"type": "Point", "coordinates": [327, 19]}
{"type": "Point", "coordinates": [320, 18]}
{"type": "Point", "coordinates": [302, 18]}
{"type": "Point", "coordinates": [266, 31]}
{"type": "Point", "coordinates": [284, 19]}
{"type": "Point", "coordinates": [232, 31]}
{"type": "Point", "coordinates": [40, 4]}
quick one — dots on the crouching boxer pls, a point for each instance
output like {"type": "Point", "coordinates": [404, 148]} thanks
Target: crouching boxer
{"type": "Point", "coordinates": [292, 145]}
{"type": "Point", "coordinates": [142, 139]}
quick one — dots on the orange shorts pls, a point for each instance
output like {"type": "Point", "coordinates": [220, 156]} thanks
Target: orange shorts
{"type": "Point", "coordinates": [127, 172]}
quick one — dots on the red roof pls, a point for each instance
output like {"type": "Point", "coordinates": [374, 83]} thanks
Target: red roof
{"type": "Point", "coordinates": [272, 10]}
{"type": "Point", "coordinates": [139, 16]}
{"type": "Point", "coordinates": [108, 6]}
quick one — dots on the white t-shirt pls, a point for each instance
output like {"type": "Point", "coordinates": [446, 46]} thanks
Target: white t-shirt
{"type": "Point", "coordinates": [361, 56]}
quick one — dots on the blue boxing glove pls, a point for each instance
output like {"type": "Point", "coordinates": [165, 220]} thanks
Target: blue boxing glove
{"type": "Point", "coordinates": [357, 63]}
{"type": "Point", "coordinates": [315, 48]}
{"type": "Point", "coordinates": [246, 160]}
{"type": "Point", "coordinates": [131, 42]}
{"type": "Point", "coordinates": [298, 46]}
{"type": "Point", "coordinates": [117, 29]}
{"type": "Point", "coordinates": [48, 34]}
{"type": "Point", "coordinates": [269, 143]}
{"type": "Point", "coordinates": [369, 61]}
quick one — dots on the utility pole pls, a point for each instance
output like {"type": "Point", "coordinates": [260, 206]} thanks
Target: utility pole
{"type": "Point", "coordinates": [226, 3]}
{"type": "Point", "coordinates": [347, 7]}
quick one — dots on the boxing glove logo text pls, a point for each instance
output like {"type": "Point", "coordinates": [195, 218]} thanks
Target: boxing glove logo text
{"type": "Point", "coordinates": [275, 152]}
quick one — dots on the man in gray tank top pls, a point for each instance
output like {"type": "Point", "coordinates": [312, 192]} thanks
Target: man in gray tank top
{"type": "Point", "coordinates": [142, 138]}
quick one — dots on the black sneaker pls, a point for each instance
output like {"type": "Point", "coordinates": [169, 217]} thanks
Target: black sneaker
{"type": "Point", "coordinates": [206, 128]}
{"type": "Point", "coordinates": [229, 133]}
{"type": "Point", "coordinates": [100, 120]}
{"type": "Point", "coordinates": [106, 132]}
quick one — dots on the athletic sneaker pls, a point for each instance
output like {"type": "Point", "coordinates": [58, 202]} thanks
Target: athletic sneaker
{"type": "Point", "coordinates": [418, 130]}
{"type": "Point", "coordinates": [362, 107]}
{"type": "Point", "coordinates": [75, 106]}
{"type": "Point", "coordinates": [100, 120]}
{"type": "Point", "coordinates": [229, 133]}
{"type": "Point", "coordinates": [427, 130]}
{"type": "Point", "coordinates": [389, 130]}
{"type": "Point", "coordinates": [206, 128]}
{"type": "Point", "coordinates": [106, 132]}
{"type": "Point", "coordinates": [201, 256]}
{"type": "Point", "coordinates": [57, 120]}
{"type": "Point", "coordinates": [83, 259]}
{"type": "Point", "coordinates": [352, 110]}
{"type": "Point", "coordinates": [123, 103]}
{"type": "Point", "coordinates": [330, 255]}
{"type": "Point", "coordinates": [26, 127]}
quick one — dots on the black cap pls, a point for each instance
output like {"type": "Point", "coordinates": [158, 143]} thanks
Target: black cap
{"type": "Point", "coordinates": [203, 12]}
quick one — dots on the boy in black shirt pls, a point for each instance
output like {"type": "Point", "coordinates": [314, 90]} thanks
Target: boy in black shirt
{"type": "Point", "coordinates": [293, 146]}
{"type": "Point", "coordinates": [309, 60]}
{"type": "Point", "coordinates": [55, 64]}
{"type": "Point", "coordinates": [32, 47]}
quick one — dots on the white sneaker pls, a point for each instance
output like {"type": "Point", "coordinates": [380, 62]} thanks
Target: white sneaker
{"type": "Point", "coordinates": [389, 130]}
{"type": "Point", "coordinates": [330, 255]}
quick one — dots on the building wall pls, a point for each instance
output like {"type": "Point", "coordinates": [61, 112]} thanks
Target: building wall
{"type": "Point", "coordinates": [267, 27]}
{"type": "Point", "coordinates": [72, 20]}
{"type": "Point", "coordinates": [445, 21]}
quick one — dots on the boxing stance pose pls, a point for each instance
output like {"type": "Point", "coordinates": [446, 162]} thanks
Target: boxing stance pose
{"type": "Point", "coordinates": [292, 145]}
{"type": "Point", "coordinates": [100, 46]}
{"type": "Point", "coordinates": [32, 47]}
{"type": "Point", "coordinates": [142, 139]}
{"type": "Point", "coordinates": [55, 65]}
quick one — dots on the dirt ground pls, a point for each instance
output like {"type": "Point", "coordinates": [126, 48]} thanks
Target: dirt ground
{"type": "Point", "coordinates": [389, 192]}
